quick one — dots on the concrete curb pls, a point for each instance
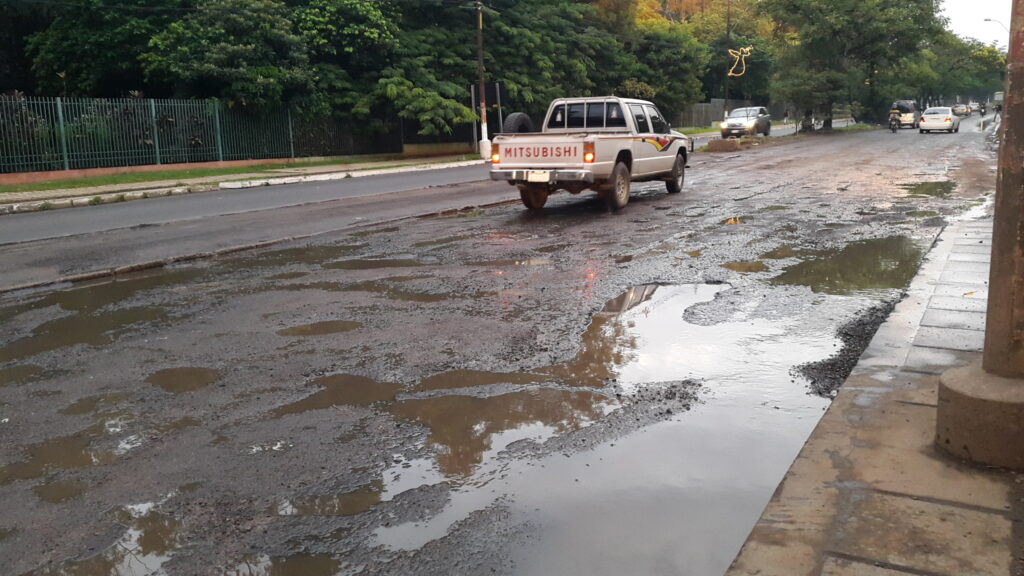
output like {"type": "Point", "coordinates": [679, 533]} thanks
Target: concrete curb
{"type": "Point", "coordinates": [151, 192]}
{"type": "Point", "coordinates": [341, 175]}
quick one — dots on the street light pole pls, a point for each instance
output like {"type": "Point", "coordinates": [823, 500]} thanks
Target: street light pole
{"type": "Point", "coordinates": [980, 414]}
{"type": "Point", "coordinates": [485, 142]}
{"type": "Point", "coordinates": [998, 22]}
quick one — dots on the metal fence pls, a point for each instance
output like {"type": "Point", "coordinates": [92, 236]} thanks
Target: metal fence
{"type": "Point", "coordinates": [38, 134]}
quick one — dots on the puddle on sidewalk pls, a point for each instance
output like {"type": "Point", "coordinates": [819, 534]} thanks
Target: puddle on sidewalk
{"type": "Point", "coordinates": [655, 491]}
{"type": "Point", "coordinates": [366, 233]}
{"type": "Point", "coordinates": [149, 540]}
{"type": "Point", "coordinates": [859, 267]}
{"type": "Point", "coordinates": [935, 189]}
{"type": "Point", "coordinates": [184, 379]}
{"type": "Point", "coordinates": [320, 328]}
{"type": "Point", "coordinates": [781, 253]}
{"type": "Point", "coordinates": [296, 565]}
{"type": "Point", "coordinates": [469, 378]}
{"type": "Point", "coordinates": [341, 390]}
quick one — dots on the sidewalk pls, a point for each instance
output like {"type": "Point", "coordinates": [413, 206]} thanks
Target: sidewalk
{"type": "Point", "coordinates": [869, 495]}
{"type": "Point", "coordinates": [11, 202]}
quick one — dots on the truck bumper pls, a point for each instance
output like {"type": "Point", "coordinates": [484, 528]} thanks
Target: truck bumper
{"type": "Point", "coordinates": [543, 176]}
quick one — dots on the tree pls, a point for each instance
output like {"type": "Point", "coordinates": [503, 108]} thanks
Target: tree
{"type": "Point", "coordinates": [91, 48]}
{"type": "Point", "coordinates": [244, 51]}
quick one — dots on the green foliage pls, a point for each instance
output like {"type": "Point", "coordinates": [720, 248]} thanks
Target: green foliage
{"type": "Point", "coordinates": [242, 50]}
{"type": "Point", "coordinates": [633, 88]}
{"type": "Point", "coordinates": [91, 48]}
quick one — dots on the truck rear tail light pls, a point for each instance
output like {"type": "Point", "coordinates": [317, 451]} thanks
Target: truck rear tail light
{"type": "Point", "coordinates": [588, 152]}
{"type": "Point", "coordinates": [495, 154]}
{"type": "Point", "coordinates": [921, 120]}
{"type": "Point", "coordinates": [948, 119]}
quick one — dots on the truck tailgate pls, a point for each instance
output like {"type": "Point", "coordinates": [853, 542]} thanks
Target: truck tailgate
{"type": "Point", "coordinates": [539, 150]}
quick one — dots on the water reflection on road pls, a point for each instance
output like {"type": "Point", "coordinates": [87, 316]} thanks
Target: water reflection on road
{"type": "Point", "coordinates": [684, 508]}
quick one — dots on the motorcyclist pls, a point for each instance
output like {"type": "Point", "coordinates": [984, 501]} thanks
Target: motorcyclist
{"type": "Point", "coordinates": [981, 109]}
{"type": "Point", "coordinates": [894, 118]}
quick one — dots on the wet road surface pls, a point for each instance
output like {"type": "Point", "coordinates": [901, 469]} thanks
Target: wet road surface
{"type": "Point", "coordinates": [486, 391]}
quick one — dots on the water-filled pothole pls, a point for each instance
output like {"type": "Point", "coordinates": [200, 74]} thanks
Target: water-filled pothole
{"type": "Point", "coordinates": [938, 189]}
{"type": "Point", "coordinates": [879, 264]}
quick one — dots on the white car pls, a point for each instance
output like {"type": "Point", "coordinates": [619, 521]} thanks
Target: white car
{"type": "Point", "coordinates": [939, 118]}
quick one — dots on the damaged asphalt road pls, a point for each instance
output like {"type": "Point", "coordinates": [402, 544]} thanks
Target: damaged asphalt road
{"type": "Point", "coordinates": [487, 391]}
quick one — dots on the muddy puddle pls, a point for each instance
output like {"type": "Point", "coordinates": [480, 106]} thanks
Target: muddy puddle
{"type": "Point", "coordinates": [345, 504]}
{"type": "Point", "coordinates": [320, 328]}
{"type": "Point", "coordinates": [372, 264]}
{"type": "Point", "coordinates": [57, 492]}
{"type": "Point", "coordinates": [679, 506]}
{"type": "Point", "coordinates": [746, 267]}
{"type": "Point", "coordinates": [148, 540]}
{"type": "Point", "coordinates": [859, 267]}
{"type": "Point", "coordinates": [297, 565]}
{"type": "Point", "coordinates": [934, 189]}
{"type": "Point", "coordinates": [19, 374]}
{"type": "Point", "coordinates": [97, 329]}
{"type": "Point", "coordinates": [315, 254]}
{"type": "Point", "coordinates": [387, 290]}
{"type": "Point", "coordinates": [184, 379]}
{"type": "Point", "coordinates": [470, 378]}
{"type": "Point", "coordinates": [61, 453]}
{"type": "Point", "coordinates": [340, 390]}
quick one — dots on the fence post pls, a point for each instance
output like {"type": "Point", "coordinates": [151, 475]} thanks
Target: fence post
{"type": "Point", "coordinates": [216, 130]}
{"type": "Point", "coordinates": [291, 136]}
{"type": "Point", "coordinates": [156, 137]}
{"type": "Point", "coordinates": [63, 137]}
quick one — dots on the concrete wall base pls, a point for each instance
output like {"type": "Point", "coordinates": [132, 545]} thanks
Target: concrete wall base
{"type": "Point", "coordinates": [981, 417]}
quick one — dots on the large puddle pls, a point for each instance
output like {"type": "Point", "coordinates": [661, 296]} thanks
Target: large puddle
{"type": "Point", "coordinates": [864, 266]}
{"type": "Point", "coordinates": [659, 499]}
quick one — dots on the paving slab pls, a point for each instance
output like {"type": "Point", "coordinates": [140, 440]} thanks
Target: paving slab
{"type": "Point", "coordinates": [957, 290]}
{"type": "Point", "coordinates": [936, 360]}
{"type": "Point", "coordinates": [958, 265]}
{"type": "Point", "coordinates": [965, 276]}
{"type": "Point", "coordinates": [970, 257]}
{"type": "Point", "coordinates": [950, 338]}
{"type": "Point", "coordinates": [958, 303]}
{"type": "Point", "coordinates": [954, 319]}
{"type": "Point", "coordinates": [972, 249]}
{"type": "Point", "coordinates": [973, 242]}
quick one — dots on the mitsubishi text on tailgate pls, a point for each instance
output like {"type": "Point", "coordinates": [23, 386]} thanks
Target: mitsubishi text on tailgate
{"type": "Point", "coordinates": [597, 143]}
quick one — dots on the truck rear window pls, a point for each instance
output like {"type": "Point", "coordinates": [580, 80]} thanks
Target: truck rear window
{"type": "Point", "coordinates": [557, 117]}
{"type": "Point", "coordinates": [575, 116]}
{"type": "Point", "coordinates": [614, 118]}
{"type": "Point", "coordinates": [595, 115]}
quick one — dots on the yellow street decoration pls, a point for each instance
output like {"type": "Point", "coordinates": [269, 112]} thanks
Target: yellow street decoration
{"type": "Point", "coordinates": [741, 60]}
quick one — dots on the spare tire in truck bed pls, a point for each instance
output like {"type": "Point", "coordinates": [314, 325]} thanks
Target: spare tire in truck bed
{"type": "Point", "coordinates": [517, 123]}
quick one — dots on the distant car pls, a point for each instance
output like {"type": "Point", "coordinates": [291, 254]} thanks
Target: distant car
{"type": "Point", "coordinates": [908, 112]}
{"type": "Point", "coordinates": [747, 122]}
{"type": "Point", "coordinates": [940, 118]}
{"type": "Point", "coordinates": [961, 110]}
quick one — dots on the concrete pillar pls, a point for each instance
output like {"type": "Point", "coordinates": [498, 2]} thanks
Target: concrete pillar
{"type": "Point", "coordinates": [981, 406]}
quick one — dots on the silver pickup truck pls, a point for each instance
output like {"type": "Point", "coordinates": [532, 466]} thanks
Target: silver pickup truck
{"type": "Point", "coordinates": [599, 143]}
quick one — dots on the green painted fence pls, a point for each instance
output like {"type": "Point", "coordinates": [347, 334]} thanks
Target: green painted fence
{"type": "Point", "coordinates": [38, 134]}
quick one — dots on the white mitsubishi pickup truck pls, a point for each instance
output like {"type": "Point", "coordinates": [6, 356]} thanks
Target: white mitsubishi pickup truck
{"type": "Point", "coordinates": [599, 143]}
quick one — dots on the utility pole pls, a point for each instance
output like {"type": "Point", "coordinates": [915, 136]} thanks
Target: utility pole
{"type": "Point", "coordinates": [980, 413]}
{"type": "Point", "coordinates": [728, 46]}
{"type": "Point", "coordinates": [485, 142]}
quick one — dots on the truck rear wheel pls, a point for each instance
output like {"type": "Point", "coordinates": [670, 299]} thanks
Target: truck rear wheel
{"type": "Point", "coordinates": [618, 196]}
{"type": "Point", "coordinates": [534, 197]}
{"type": "Point", "coordinates": [675, 184]}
